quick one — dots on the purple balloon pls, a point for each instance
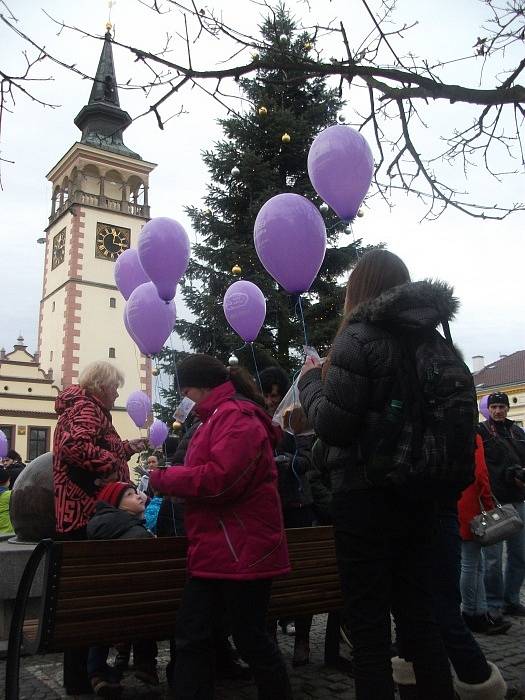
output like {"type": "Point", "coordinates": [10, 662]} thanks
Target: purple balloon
{"type": "Point", "coordinates": [340, 166]}
{"type": "Point", "coordinates": [138, 407]}
{"type": "Point", "coordinates": [158, 433]}
{"type": "Point", "coordinates": [128, 272]}
{"type": "Point", "coordinates": [164, 252]}
{"type": "Point", "coordinates": [290, 240]}
{"type": "Point", "coordinates": [150, 320]}
{"type": "Point", "coordinates": [245, 309]}
{"type": "Point", "coordinates": [483, 408]}
{"type": "Point", "coordinates": [3, 444]}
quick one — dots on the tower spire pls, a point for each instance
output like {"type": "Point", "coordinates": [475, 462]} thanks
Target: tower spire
{"type": "Point", "coordinates": [102, 121]}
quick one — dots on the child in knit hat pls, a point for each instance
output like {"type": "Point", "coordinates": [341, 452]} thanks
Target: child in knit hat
{"type": "Point", "coordinates": [119, 514]}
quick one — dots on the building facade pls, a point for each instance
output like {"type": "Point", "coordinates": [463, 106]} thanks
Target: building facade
{"type": "Point", "coordinates": [99, 204]}
{"type": "Point", "coordinates": [508, 375]}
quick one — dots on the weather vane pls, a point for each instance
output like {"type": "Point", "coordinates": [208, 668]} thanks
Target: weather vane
{"type": "Point", "coordinates": [109, 26]}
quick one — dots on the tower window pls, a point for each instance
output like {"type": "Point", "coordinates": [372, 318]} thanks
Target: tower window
{"type": "Point", "coordinates": [53, 306]}
{"type": "Point", "coordinates": [112, 353]}
{"type": "Point", "coordinates": [51, 356]}
{"type": "Point", "coordinates": [112, 303]}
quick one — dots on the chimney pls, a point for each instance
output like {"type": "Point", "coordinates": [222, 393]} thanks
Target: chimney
{"type": "Point", "coordinates": [478, 362]}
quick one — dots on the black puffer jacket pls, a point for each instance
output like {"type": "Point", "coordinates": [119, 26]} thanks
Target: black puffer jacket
{"type": "Point", "coordinates": [346, 408]}
{"type": "Point", "coordinates": [110, 523]}
{"type": "Point", "coordinates": [504, 446]}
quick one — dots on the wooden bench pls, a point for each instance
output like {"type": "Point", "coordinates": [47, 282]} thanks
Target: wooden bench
{"type": "Point", "coordinates": [122, 590]}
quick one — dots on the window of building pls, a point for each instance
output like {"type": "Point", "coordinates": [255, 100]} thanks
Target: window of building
{"type": "Point", "coordinates": [8, 431]}
{"type": "Point", "coordinates": [112, 303]}
{"type": "Point", "coordinates": [112, 353]}
{"type": "Point", "coordinates": [37, 442]}
{"type": "Point", "coordinates": [51, 356]}
{"type": "Point", "coordinates": [53, 306]}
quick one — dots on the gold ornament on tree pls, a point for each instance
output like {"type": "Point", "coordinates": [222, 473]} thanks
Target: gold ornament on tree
{"type": "Point", "coordinates": [286, 138]}
{"type": "Point", "coordinates": [308, 45]}
{"type": "Point", "coordinates": [235, 172]}
{"type": "Point", "coordinates": [233, 360]}
{"type": "Point", "coordinates": [155, 372]}
{"type": "Point", "coordinates": [176, 425]}
{"type": "Point", "coordinates": [263, 112]}
{"type": "Point", "coordinates": [236, 270]}
{"type": "Point", "coordinates": [360, 213]}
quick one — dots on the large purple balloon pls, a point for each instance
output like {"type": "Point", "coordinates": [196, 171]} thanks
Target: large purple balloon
{"type": "Point", "coordinates": [138, 407]}
{"type": "Point", "coordinates": [150, 321]}
{"type": "Point", "coordinates": [158, 433]}
{"type": "Point", "coordinates": [290, 240]}
{"type": "Point", "coordinates": [245, 309]}
{"type": "Point", "coordinates": [483, 408]}
{"type": "Point", "coordinates": [340, 166]}
{"type": "Point", "coordinates": [128, 272]}
{"type": "Point", "coordinates": [3, 444]}
{"type": "Point", "coordinates": [164, 252]}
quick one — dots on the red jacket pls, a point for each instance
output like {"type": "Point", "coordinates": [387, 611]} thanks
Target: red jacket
{"type": "Point", "coordinates": [86, 449]}
{"type": "Point", "coordinates": [468, 504]}
{"type": "Point", "coordinates": [229, 480]}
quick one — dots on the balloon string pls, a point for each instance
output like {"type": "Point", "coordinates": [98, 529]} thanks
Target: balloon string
{"type": "Point", "coordinates": [255, 365]}
{"type": "Point", "coordinates": [299, 305]}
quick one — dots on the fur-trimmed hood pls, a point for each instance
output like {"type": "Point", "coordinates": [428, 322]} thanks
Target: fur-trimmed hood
{"type": "Point", "coordinates": [412, 306]}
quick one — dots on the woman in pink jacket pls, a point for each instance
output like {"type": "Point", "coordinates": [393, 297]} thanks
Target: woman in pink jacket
{"type": "Point", "coordinates": [236, 539]}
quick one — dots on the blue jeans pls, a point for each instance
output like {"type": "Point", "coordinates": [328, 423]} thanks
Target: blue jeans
{"type": "Point", "coordinates": [505, 588]}
{"type": "Point", "coordinates": [472, 583]}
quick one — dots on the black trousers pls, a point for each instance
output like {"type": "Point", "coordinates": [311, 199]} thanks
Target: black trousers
{"type": "Point", "coordinates": [246, 603]}
{"type": "Point", "coordinates": [384, 552]}
{"type": "Point", "coordinates": [76, 678]}
{"type": "Point", "coordinates": [464, 652]}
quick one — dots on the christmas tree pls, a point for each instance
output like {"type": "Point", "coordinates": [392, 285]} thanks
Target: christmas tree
{"type": "Point", "coordinates": [264, 153]}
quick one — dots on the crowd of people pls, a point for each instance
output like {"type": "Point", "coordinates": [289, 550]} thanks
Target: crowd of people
{"type": "Point", "coordinates": [375, 444]}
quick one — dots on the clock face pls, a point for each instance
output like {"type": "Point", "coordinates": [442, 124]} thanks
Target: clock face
{"type": "Point", "coordinates": [111, 241]}
{"type": "Point", "coordinates": [59, 249]}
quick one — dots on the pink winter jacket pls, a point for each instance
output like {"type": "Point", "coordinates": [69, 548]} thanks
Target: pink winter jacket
{"type": "Point", "coordinates": [229, 480]}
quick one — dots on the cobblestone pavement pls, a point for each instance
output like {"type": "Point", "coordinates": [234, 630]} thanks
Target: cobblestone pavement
{"type": "Point", "coordinates": [41, 676]}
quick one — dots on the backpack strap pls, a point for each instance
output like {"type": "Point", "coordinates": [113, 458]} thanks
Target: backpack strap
{"type": "Point", "coordinates": [446, 332]}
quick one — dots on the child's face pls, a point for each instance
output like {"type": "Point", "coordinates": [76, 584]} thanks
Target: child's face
{"type": "Point", "coordinates": [132, 502]}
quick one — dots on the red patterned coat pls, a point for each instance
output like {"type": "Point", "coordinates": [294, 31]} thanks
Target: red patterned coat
{"type": "Point", "coordinates": [86, 450]}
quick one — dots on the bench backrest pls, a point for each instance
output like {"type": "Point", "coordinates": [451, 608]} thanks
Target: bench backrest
{"type": "Point", "coordinates": [117, 590]}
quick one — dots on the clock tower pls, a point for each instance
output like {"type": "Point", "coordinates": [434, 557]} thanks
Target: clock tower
{"type": "Point", "coordinates": [99, 206]}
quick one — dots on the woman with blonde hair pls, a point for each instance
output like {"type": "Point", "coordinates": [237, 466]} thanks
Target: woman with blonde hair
{"type": "Point", "coordinates": [87, 454]}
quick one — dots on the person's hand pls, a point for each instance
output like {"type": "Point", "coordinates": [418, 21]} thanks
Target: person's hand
{"type": "Point", "coordinates": [520, 484]}
{"type": "Point", "coordinates": [309, 363]}
{"type": "Point", "coordinates": [138, 445]}
{"type": "Point", "coordinates": [108, 479]}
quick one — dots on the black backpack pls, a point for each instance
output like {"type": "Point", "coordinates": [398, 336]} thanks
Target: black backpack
{"type": "Point", "coordinates": [426, 435]}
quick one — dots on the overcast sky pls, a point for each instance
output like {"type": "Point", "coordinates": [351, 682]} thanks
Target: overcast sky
{"type": "Point", "coordinates": [483, 260]}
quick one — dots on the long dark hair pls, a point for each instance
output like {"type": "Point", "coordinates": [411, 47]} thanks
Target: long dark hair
{"type": "Point", "coordinates": [244, 384]}
{"type": "Point", "coordinates": [376, 272]}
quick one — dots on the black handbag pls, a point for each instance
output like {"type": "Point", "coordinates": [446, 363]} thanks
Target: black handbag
{"type": "Point", "coordinates": [496, 525]}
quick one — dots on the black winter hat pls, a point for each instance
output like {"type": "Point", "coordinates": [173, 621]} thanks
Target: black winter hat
{"type": "Point", "coordinates": [498, 397]}
{"type": "Point", "coordinates": [4, 475]}
{"type": "Point", "coordinates": [202, 372]}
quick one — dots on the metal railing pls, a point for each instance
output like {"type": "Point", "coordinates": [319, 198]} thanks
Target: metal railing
{"type": "Point", "coordinates": [102, 202]}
